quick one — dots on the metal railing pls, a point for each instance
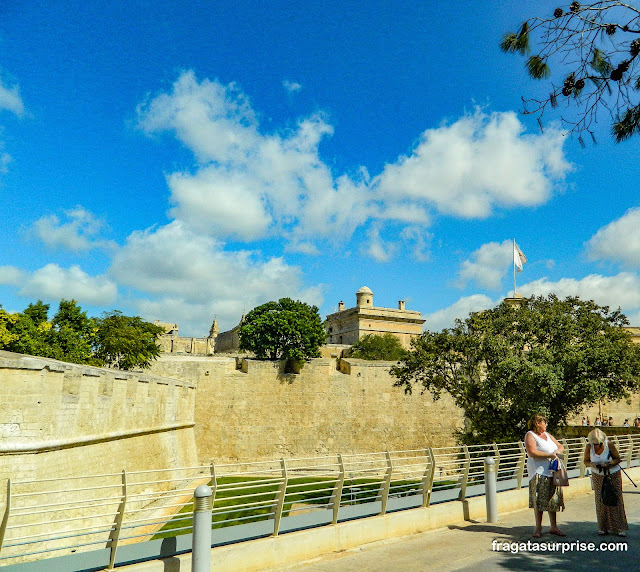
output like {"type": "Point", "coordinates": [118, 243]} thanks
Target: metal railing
{"type": "Point", "coordinates": [46, 518]}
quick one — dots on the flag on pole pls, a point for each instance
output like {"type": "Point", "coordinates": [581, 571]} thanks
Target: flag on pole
{"type": "Point", "coordinates": [518, 257]}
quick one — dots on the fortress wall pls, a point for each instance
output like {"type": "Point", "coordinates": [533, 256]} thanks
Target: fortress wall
{"type": "Point", "coordinates": [60, 419]}
{"type": "Point", "coordinates": [266, 414]}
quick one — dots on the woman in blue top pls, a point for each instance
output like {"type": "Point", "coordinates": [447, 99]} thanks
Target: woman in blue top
{"type": "Point", "coordinates": [542, 449]}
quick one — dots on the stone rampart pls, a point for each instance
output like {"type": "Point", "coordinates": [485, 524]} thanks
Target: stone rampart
{"type": "Point", "coordinates": [249, 409]}
{"type": "Point", "coordinates": [60, 419]}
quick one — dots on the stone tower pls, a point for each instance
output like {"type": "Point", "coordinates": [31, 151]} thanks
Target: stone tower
{"type": "Point", "coordinates": [364, 298]}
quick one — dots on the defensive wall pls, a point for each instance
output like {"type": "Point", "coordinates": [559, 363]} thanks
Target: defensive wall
{"type": "Point", "coordinates": [251, 409]}
{"type": "Point", "coordinates": [60, 419]}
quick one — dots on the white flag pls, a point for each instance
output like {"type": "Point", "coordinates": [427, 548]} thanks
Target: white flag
{"type": "Point", "coordinates": [518, 257]}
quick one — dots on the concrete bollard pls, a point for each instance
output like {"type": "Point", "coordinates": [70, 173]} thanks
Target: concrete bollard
{"type": "Point", "coordinates": [201, 546]}
{"type": "Point", "coordinates": [491, 489]}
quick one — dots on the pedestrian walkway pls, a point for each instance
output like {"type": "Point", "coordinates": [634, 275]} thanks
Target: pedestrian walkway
{"type": "Point", "coordinates": [478, 546]}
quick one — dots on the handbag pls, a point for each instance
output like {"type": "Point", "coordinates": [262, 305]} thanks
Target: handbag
{"type": "Point", "coordinates": [560, 477]}
{"type": "Point", "coordinates": [608, 493]}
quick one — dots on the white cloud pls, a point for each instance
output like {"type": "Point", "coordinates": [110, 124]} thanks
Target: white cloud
{"type": "Point", "coordinates": [619, 241]}
{"type": "Point", "coordinates": [621, 290]}
{"type": "Point", "coordinates": [419, 240]}
{"type": "Point", "coordinates": [220, 202]}
{"type": "Point", "coordinates": [488, 265]}
{"type": "Point", "coordinates": [291, 86]}
{"type": "Point", "coordinates": [378, 248]}
{"type": "Point", "coordinates": [5, 159]}
{"type": "Point", "coordinates": [11, 276]}
{"type": "Point", "coordinates": [446, 317]}
{"type": "Point", "coordinates": [480, 162]}
{"type": "Point", "coordinates": [53, 282]}
{"type": "Point", "coordinates": [197, 279]}
{"type": "Point", "coordinates": [249, 184]}
{"type": "Point", "coordinates": [78, 234]}
{"type": "Point", "coordinates": [10, 99]}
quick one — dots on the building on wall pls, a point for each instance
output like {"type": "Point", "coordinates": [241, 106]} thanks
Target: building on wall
{"type": "Point", "coordinates": [229, 341]}
{"type": "Point", "coordinates": [172, 343]}
{"type": "Point", "coordinates": [347, 326]}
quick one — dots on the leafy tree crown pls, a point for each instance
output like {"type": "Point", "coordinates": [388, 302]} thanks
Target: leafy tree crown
{"type": "Point", "coordinates": [285, 329]}
{"type": "Point", "coordinates": [544, 355]}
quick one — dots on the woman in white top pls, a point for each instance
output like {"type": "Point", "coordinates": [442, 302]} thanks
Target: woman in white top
{"type": "Point", "coordinates": [542, 449]}
{"type": "Point", "coordinates": [603, 458]}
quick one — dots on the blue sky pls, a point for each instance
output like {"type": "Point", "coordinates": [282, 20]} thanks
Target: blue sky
{"type": "Point", "coordinates": [181, 161]}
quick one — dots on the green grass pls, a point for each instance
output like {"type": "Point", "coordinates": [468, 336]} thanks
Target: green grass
{"type": "Point", "coordinates": [303, 490]}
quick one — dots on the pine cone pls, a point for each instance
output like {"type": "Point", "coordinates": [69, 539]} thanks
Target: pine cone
{"type": "Point", "coordinates": [623, 66]}
{"type": "Point", "coordinates": [575, 6]}
{"type": "Point", "coordinates": [566, 91]}
{"type": "Point", "coordinates": [635, 48]}
{"type": "Point", "coordinates": [616, 74]}
{"type": "Point", "coordinates": [610, 29]}
{"type": "Point", "coordinates": [580, 84]}
{"type": "Point", "coordinates": [569, 82]}
{"type": "Point", "coordinates": [558, 12]}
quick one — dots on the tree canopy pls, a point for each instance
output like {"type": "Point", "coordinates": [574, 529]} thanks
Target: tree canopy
{"type": "Point", "coordinates": [126, 342]}
{"type": "Point", "coordinates": [286, 329]}
{"type": "Point", "coordinates": [113, 340]}
{"type": "Point", "coordinates": [588, 53]}
{"type": "Point", "coordinates": [544, 355]}
{"type": "Point", "coordinates": [377, 347]}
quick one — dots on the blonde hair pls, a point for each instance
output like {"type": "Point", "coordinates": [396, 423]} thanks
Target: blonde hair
{"type": "Point", "coordinates": [597, 437]}
{"type": "Point", "coordinates": [536, 419]}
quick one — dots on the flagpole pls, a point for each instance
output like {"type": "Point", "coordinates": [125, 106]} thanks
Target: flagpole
{"type": "Point", "coordinates": [514, 267]}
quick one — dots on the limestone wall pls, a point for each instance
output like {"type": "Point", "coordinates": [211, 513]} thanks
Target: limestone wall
{"type": "Point", "coordinates": [60, 419]}
{"type": "Point", "coordinates": [252, 410]}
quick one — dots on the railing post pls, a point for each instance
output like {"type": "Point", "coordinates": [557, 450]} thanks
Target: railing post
{"type": "Point", "coordinates": [282, 493]}
{"type": "Point", "coordinates": [201, 543]}
{"type": "Point", "coordinates": [337, 491]}
{"type": "Point", "coordinates": [583, 467]}
{"type": "Point", "coordinates": [629, 451]}
{"type": "Point", "coordinates": [5, 518]}
{"type": "Point", "coordinates": [213, 483]}
{"type": "Point", "coordinates": [386, 485]}
{"type": "Point", "coordinates": [115, 533]}
{"type": "Point", "coordinates": [521, 463]}
{"type": "Point", "coordinates": [567, 449]}
{"type": "Point", "coordinates": [426, 486]}
{"type": "Point", "coordinates": [490, 489]}
{"type": "Point", "coordinates": [465, 474]}
{"type": "Point", "coordinates": [496, 455]}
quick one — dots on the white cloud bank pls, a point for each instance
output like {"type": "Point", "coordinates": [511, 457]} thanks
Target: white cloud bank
{"type": "Point", "coordinates": [80, 232]}
{"type": "Point", "coordinates": [480, 162]}
{"type": "Point", "coordinates": [189, 278]}
{"type": "Point", "coordinates": [52, 282]}
{"type": "Point", "coordinates": [488, 265]}
{"type": "Point", "coordinates": [619, 291]}
{"type": "Point", "coordinates": [619, 241]}
{"type": "Point", "coordinates": [249, 185]}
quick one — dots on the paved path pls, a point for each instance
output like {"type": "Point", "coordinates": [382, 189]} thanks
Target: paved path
{"type": "Point", "coordinates": [468, 546]}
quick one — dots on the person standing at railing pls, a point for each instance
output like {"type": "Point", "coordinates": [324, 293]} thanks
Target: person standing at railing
{"type": "Point", "coordinates": [542, 451]}
{"type": "Point", "coordinates": [602, 456]}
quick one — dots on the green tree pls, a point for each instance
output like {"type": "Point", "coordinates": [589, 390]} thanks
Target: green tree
{"type": "Point", "coordinates": [28, 331]}
{"type": "Point", "coordinates": [71, 334]}
{"type": "Point", "coordinates": [377, 347]}
{"type": "Point", "coordinates": [593, 49]}
{"type": "Point", "coordinates": [6, 324]}
{"type": "Point", "coordinates": [501, 365]}
{"type": "Point", "coordinates": [286, 329]}
{"type": "Point", "coordinates": [38, 312]}
{"type": "Point", "coordinates": [126, 342]}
